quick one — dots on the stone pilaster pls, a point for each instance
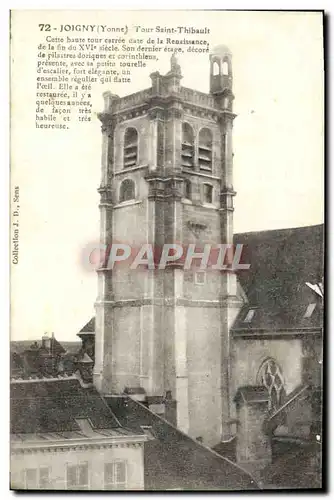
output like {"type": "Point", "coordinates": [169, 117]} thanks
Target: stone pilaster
{"type": "Point", "coordinates": [104, 301]}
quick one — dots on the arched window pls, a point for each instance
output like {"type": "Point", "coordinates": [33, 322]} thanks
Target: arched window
{"type": "Point", "coordinates": [215, 69]}
{"type": "Point", "coordinates": [127, 191]}
{"type": "Point", "coordinates": [187, 189]}
{"type": "Point", "coordinates": [130, 148]}
{"type": "Point", "coordinates": [270, 375]}
{"type": "Point", "coordinates": [207, 193]}
{"type": "Point", "coordinates": [225, 68]}
{"type": "Point", "coordinates": [160, 144]}
{"type": "Point", "coordinates": [187, 153]}
{"type": "Point", "coordinates": [205, 149]}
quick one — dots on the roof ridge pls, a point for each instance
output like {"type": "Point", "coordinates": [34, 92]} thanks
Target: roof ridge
{"type": "Point", "coordinates": [261, 231]}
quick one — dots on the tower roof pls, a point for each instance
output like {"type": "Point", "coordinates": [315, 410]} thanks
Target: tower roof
{"type": "Point", "coordinates": [89, 327]}
{"type": "Point", "coordinates": [220, 50]}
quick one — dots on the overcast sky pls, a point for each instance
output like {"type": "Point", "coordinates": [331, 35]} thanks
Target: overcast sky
{"type": "Point", "coordinates": [278, 147]}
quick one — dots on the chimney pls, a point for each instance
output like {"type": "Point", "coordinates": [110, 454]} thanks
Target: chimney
{"type": "Point", "coordinates": [46, 342]}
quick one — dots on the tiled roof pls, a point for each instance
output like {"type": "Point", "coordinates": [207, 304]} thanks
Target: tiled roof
{"type": "Point", "coordinates": [175, 461]}
{"type": "Point", "coordinates": [297, 467]}
{"type": "Point", "coordinates": [19, 346]}
{"type": "Point", "coordinates": [53, 405]}
{"type": "Point", "coordinates": [281, 263]}
{"type": "Point", "coordinates": [89, 327]}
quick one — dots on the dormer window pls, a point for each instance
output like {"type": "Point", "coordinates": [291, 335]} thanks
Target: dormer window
{"type": "Point", "coordinates": [127, 191]}
{"type": "Point", "coordinates": [205, 149]}
{"type": "Point", "coordinates": [187, 152]}
{"type": "Point", "coordinates": [130, 148]}
{"type": "Point", "coordinates": [207, 193]}
{"type": "Point", "coordinates": [309, 311]}
{"type": "Point", "coordinates": [249, 316]}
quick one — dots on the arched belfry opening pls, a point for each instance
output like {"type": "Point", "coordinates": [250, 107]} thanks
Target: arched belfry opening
{"type": "Point", "coordinates": [215, 68]}
{"type": "Point", "coordinates": [221, 69]}
{"type": "Point", "coordinates": [225, 68]}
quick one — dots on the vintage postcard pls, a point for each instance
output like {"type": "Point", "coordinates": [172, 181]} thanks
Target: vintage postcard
{"type": "Point", "coordinates": [167, 250]}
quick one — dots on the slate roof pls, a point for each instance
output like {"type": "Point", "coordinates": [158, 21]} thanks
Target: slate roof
{"type": "Point", "coordinates": [89, 327]}
{"type": "Point", "coordinates": [173, 460]}
{"type": "Point", "coordinates": [281, 262]}
{"type": "Point", "coordinates": [299, 467]}
{"type": "Point", "coordinates": [52, 405]}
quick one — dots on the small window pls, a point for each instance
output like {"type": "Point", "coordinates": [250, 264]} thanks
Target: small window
{"type": "Point", "coordinates": [85, 426]}
{"type": "Point", "coordinates": [187, 189]}
{"type": "Point", "coordinates": [208, 193]}
{"type": "Point", "coordinates": [115, 476]}
{"type": "Point", "coordinates": [30, 479]}
{"type": "Point", "coordinates": [249, 316]}
{"type": "Point", "coordinates": [36, 478]}
{"type": "Point", "coordinates": [309, 310]}
{"type": "Point", "coordinates": [44, 478]}
{"type": "Point", "coordinates": [127, 191]}
{"type": "Point", "coordinates": [199, 278]}
{"type": "Point", "coordinates": [130, 148]}
{"type": "Point", "coordinates": [77, 476]}
{"type": "Point", "coordinates": [225, 68]}
{"type": "Point", "coordinates": [215, 68]}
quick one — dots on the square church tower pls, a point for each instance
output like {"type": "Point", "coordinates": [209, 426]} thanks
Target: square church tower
{"type": "Point", "coordinates": [167, 178]}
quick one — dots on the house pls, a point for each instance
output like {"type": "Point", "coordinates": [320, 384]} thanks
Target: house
{"type": "Point", "coordinates": [65, 437]}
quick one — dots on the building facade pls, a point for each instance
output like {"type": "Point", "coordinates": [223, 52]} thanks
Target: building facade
{"type": "Point", "coordinates": [167, 178]}
{"type": "Point", "coordinates": [64, 437]}
{"type": "Point", "coordinates": [228, 357]}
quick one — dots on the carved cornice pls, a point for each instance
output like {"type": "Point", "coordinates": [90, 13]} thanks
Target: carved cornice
{"type": "Point", "coordinates": [35, 447]}
{"type": "Point", "coordinates": [226, 199]}
{"type": "Point", "coordinates": [226, 115]}
{"type": "Point", "coordinates": [178, 301]}
{"type": "Point", "coordinates": [157, 113]}
{"type": "Point", "coordinates": [130, 113]}
{"type": "Point", "coordinates": [202, 112]}
{"type": "Point", "coordinates": [167, 187]}
{"type": "Point", "coordinates": [105, 195]}
{"type": "Point", "coordinates": [175, 113]}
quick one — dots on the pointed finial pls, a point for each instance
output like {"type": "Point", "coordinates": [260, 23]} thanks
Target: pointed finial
{"type": "Point", "coordinates": [174, 66]}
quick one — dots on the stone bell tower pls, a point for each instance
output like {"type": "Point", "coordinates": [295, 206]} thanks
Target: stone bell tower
{"type": "Point", "coordinates": [167, 178]}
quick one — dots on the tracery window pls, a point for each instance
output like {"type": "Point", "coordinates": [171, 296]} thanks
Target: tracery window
{"type": "Point", "coordinates": [270, 375]}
